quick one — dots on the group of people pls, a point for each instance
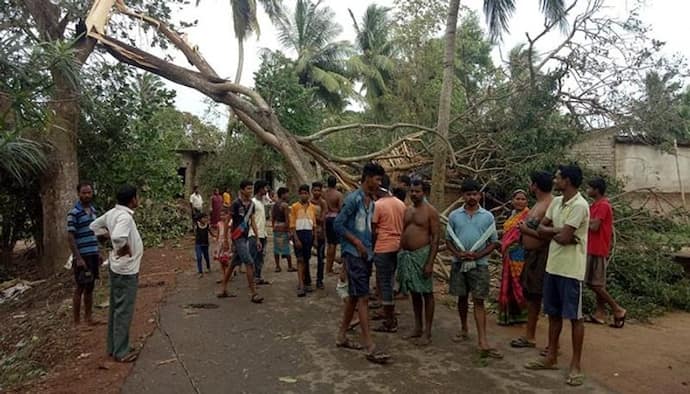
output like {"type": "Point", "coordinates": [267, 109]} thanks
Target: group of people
{"type": "Point", "coordinates": [548, 251]}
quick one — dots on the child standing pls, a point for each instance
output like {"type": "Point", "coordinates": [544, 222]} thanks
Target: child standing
{"type": "Point", "coordinates": [222, 251]}
{"type": "Point", "coordinates": [201, 231]}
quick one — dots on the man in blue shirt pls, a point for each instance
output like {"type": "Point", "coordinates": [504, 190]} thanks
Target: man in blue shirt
{"type": "Point", "coordinates": [85, 254]}
{"type": "Point", "coordinates": [471, 237]}
{"type": "Point", "coordinates": [353, 226]}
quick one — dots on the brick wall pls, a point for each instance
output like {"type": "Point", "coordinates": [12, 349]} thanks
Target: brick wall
{"type": "Point", "coordinates": [597, 151]}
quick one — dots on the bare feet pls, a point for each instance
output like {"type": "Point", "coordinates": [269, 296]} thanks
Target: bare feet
{"type": "Point", "coordinates": [424, 340]}
{"type": "Point", "coordinates": [461, 336]}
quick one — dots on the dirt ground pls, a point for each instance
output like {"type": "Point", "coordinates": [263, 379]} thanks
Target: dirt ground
{"type": "Point", "coordinates": [56, 357]}
{"type": "Point", "coordinates": [41, 351]}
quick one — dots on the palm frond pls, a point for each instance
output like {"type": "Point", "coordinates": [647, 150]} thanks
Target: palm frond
{"type": "Point", "coordinates": [21, 158]}
{"type": "Point", "coordinates": [498, 13]}
{"type": "Point", "coordinates": [554, 10]}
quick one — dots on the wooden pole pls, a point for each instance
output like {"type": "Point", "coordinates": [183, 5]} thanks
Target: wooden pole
{"type": "Point", "coordinates": [680, 178]}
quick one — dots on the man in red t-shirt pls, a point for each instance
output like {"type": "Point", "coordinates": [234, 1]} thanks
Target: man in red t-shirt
{"type": "Point", "coordinates": [598, 246]}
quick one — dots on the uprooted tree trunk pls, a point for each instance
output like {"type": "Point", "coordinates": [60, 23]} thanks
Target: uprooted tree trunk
{"type": "Point", "coordinates": [249, 107]}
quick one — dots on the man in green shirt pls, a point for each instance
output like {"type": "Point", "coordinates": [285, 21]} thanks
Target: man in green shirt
{"type": "Point", "coordinates": [566, 224]}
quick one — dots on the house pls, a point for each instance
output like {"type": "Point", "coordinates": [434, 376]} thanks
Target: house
{"type": "Point", "coordinates": [641, 166]}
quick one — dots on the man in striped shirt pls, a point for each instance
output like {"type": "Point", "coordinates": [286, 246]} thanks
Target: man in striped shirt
{"type": "Point", "coordinates": [85, 254]}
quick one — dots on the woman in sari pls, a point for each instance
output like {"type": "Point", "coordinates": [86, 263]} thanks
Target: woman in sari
{"type": "Point", "coordinates": [511, 300]}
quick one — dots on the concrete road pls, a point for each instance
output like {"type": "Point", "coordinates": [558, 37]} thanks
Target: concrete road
{"type": "Point", "coordinates": [286, 345]}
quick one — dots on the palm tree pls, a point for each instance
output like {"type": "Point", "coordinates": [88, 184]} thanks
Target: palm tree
{"type": "Point", "coordinates": [245, 22]}
{"type": "Point", "coordinates": [311, 31]}
{"type": "Point", "coordinates": [498, 13]}
{"type": "Point", "coordinates": [374, 64]}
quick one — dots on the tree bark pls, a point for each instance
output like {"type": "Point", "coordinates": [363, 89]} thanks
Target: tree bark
{"type": "Point", "coordinates": [438, 178]}
{"type": "Point", "coordinates": [59, 180]}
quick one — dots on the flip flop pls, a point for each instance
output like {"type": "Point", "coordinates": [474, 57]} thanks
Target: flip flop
{"type": "Point", "coordinates": [378, 357]}
{"type": "Point", "coordinates": [354, 325]}
{"type": "Point", "coordinates": [278, 270]}
{"type": "Point", "coordinates": [292, 269]}
{"type": "Point", "coordinates": [490, 353]}
{"type": "Point", "coordinates": [461, 337]}
{"type": "Point", "coordinates": [540, 365]}
{"type": "Point", "coordinates": [129, 358]}
{"type": "Point", "coordinates": [348, 344]}
{"type": "Point", "coordinates": [575, 380]}
{"type": "Point", "coordinates": [618, 322]}
{"type": "Point", "coordinates": [257, 299]}
{"type": "Point", "coordinates": [522, 343]}
{"type": "Point", "coordinates": [225, 294]}
{"type": "Point", "coordinates": [591, 319]}
{"type": "Point", "coordinates": [262, 282]}
{"type": "Point", "coordinates": [383, 327]}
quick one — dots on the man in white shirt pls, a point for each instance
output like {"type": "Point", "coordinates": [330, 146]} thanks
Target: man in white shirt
{"type": "Point", "coordinates": [196, 202]}
{"type": "Point", "coordinates": [124, 261]}
{"type": "Point", "coordinates": [260, 221]}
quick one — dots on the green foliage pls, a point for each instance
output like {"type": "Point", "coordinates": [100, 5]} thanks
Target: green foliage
{"type": "Point", "coordinates": [298, 107]}
{"type": "Point", "coordinates": [160, 221]}
{"type": "Point", "coordinates": [311, 31]}
{"type": "Point", "coordinates": [126, 135]}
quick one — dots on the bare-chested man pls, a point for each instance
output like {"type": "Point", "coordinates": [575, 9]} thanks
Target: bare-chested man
{"type": "Point", "coordinates": [334, 201]}
{"type": "Point", "coordinates": [536, 253]}
{"type": "Point", "coordinates": [418, 248]}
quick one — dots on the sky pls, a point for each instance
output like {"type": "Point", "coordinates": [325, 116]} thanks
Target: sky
{"type": "Point", "coordinates": [215, 39]}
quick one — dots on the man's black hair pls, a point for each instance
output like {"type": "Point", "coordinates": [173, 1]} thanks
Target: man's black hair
{"type": "Point", "coordinates": [470, 185]}
{"type": "Point", "coordinates": [405, 179]}
{"type": "Point", "coordinates": [303, 188]}
{"type": "Point", "coordinates": [572, 172]}
{"type": "Point", "coordinates": [317, 184]}
{"type": "Point", "coordinates": [281, 191]}
{"type": "Point", "coordinates": [426, 187]}
{"type": "Point", "coordinates": [598, 184]}
{"type": "Point", "coordinates": [543, 180]}
{"type": "Point", "coordinates": [386, 182]}
{"type": "Point", "coordinates": [400, 193]}
{"type": "Point", "coordinates": [372, 169]}
{"type": "Point", "coordinates": [331, 181]}
{"type": "Point", "coordinates": [259, 184]}
{"type": "Point", "coordinates": [245, 183]}
{"type": "Point", "coordinates": [84, 183]}
{"type": "Point", "coordinates": [126, 194]}
{"type": "Point", "coordinates": [202, 215]}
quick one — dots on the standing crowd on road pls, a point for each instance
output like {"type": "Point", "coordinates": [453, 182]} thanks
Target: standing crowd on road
{"type": "Point", "coordinates": [548, 252]}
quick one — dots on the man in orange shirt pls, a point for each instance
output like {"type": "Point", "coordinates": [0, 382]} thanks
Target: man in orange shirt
{"type": "Point", "coordinates": [387, 221]}
{"type": "Point", "coordinates": [302, 227]}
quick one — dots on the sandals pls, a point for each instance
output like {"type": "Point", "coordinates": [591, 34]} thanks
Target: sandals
{"type": "Point", "coordinates": [540, 365]}
{"type": "Point", "coordinates": [387, 327]}
{"type": "Point", "coordinates": [278, 270]}
{"type": "Point", "coordinates": [257, 299]}
{"type": "Point", "coordinates": [292, 269]}
{"type": "Point", "coordinates": [576, 379]}
{"type": "Point", "coordinates": [521, 343]}
{"type": "Point", "coordinates": [348, 344]}
{"type": "Point", "coordinates": [128, 358]}
{"type": "Point", "coordinates": [461, 337]}
{"type": "Point", "coordinates": [490, 353]}
{"type": "Point", "coordinates": [618, 322]}
{"type": "Point", "coordinates": [262, 282]}
{"type": "Point", "coordinates": [378, 357]}
{"type": "Point", "coordinates": [225, 294]}
{"type": "Point", "coordinates": [591, 319]}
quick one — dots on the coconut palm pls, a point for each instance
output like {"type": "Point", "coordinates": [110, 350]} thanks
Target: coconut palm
{"type": "Point", "coordinates": [498, 13]}
{"type": "Point", "coordinates": [374, 63]}
{"type": "Point", "coordinates": [245, 22]}
{"type": "Point", "coordinates": [310, 31]}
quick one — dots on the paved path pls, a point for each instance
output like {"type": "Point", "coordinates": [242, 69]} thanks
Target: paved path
{"type": "Point", "coordinates": [287, 345]}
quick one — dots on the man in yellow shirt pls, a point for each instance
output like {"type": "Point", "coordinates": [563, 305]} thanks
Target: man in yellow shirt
{"type": "Point", "coordinates": [566, 223]}
{"type": "Point", "coordinates": [227, 198]}
{"type": "Point", "coordinates": [302, 227]}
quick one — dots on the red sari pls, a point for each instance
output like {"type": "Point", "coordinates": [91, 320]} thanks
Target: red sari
{"type": "Point", "coordinates": [511, 299]}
